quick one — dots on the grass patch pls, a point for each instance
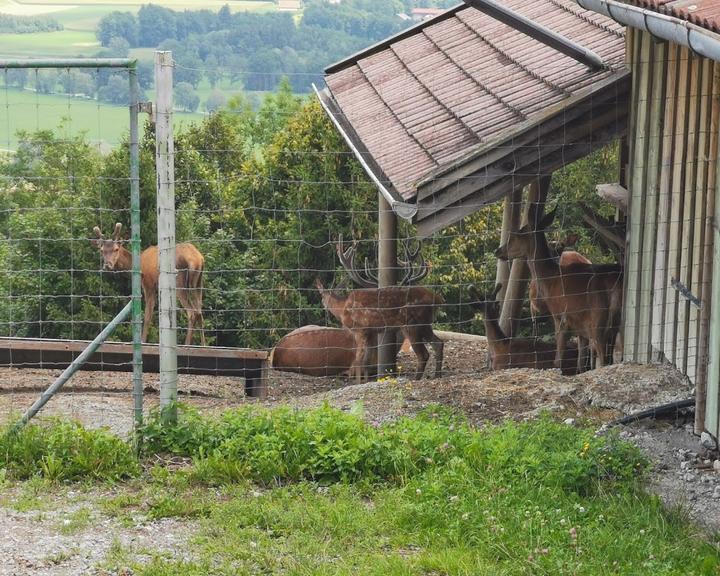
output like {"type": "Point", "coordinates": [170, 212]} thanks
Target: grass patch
{"type": "Point", "coordinates": [103, 124]}
{"type": "Point", "coordinates": [323, 492]}
{"type": "Point", "coordinates": [76, 521]}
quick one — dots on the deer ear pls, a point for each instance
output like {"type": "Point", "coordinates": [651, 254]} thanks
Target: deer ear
{"type": "Point", "coordinates": [99, 236]}
{"type": "Point", "coordinates": [571, 239]}
{"type": "Point", "coordinates": [118, 229]}
{"type": "Point", "coordinates": [319, 284]}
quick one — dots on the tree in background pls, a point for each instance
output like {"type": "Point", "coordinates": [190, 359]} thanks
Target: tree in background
{"type": "Point", "coordinates": [118, 25]}
{"type": "Point", "coordinates": [215, 101]}
{"type": "Point", "coordinates": [186, 97]}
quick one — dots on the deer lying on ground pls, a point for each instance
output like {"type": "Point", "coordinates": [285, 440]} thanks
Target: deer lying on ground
{"type": "Point", "coordinates": [189, 263]}
{"type": "Point", "coordinates": [584, 299]}
{"type": "Point", "coordinates": [508, 352]}
{"type": "Point", "coordinates": [315, 351]}
{"type": "Point", "coordinates": [410, 309]}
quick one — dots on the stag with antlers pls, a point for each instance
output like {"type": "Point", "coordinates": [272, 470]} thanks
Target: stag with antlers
{"type": "Point", "coordinates": [189, 263]}
{"type": "Point", "coordinates": [368, 311]}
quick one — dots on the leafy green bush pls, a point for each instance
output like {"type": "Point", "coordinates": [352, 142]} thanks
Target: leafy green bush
{"type": "Point", "coordinates": [327, 445]}
{"type": "Point", "coordinates": [61, 450]}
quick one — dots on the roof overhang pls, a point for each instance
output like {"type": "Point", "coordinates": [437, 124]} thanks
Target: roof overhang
{"type": "Point", "coordinates": [462, 109]}
{"type": "Point", "coordinates": [572, 129]}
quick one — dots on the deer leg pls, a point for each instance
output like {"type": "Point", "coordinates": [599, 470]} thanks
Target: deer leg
{"type": "Point", "coordinates": [182, 296]}
{"type": "Point", "coordinates": [421, 352]}
{"type": "Point", "coordinates": [582, 354]}
{"type": "Point", "coordinates": [561, 334]}
{"type": "Point", "coordinates": [147, 319]}
{"type": "Point", "coordinates": [358, 368]}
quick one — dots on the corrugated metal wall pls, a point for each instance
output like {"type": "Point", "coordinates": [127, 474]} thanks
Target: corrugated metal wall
{"type": "Point", "coordinates": [673, 139]}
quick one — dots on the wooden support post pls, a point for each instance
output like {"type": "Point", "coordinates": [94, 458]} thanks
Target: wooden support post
{"type": "Point", "coordinates": [520, 273]}
{"type": "Point", "coordinates": [165, 158]}
{"type": "Point", "coordinates": [511, 219]}
{"type": "Point", "coordinates": [387, 276]}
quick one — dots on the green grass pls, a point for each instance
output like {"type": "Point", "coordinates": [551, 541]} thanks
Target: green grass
{"type": "Point", "coordinates": [85, 15]}
{"type": "Point", "coordinates": [104, 124]}
{"type": "Point", "coordinates": [65, 43]}
{"type": "Point", "coordinates": [322, 492]}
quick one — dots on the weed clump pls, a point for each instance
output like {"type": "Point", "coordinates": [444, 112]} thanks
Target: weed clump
{"type": "Point", "coordinates": [60, 450]}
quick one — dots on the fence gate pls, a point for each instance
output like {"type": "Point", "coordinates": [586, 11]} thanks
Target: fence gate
{"type": "Point", "coordinates": [54, 294]}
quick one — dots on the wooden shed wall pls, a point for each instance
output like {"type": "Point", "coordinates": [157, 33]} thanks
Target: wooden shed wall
{"type": "Point", "coordinates": [673, 138]}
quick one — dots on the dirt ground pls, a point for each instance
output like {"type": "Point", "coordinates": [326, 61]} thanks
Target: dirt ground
{"type": "Point", "coordinates": [684, 473]}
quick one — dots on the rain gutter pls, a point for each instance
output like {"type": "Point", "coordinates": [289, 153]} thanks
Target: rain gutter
{"type": "Point", "coordinates": [702, 42]}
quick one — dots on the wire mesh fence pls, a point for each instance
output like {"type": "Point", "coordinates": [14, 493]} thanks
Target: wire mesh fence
{"type": "Point", "coordinates": [266, 192]}
{"type": "Point", "coordinates": [65, 169]}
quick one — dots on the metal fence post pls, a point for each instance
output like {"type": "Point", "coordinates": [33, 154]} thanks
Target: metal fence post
{"type": "Point", "coordinates": [387, 276]}
{"type": "Point", "coordinates": [135, 247]}
{"type": "Point", "coordinates": [165, 159]}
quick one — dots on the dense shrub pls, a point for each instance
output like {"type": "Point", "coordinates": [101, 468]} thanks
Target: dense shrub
{"type": "Point", "coordinates": [62, 450]}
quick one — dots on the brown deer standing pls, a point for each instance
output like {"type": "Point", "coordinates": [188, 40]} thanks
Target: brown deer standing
{"type": "Point", "coordinates": [506, 352]}
{"type": "Point", "coordinates": [189, 263]}
{"type": "Point", "coordinates": [538, 308]}
{"type": "Point", "coordinates": [582, 298]}
{"type": "Point", "coordinates": [410, 309]}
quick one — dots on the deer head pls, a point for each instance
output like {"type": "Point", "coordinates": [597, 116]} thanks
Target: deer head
{"type": "Point", "coordinates": [414, 265]}
{"type": "Point", "coordinates": [109, 248]}
{"type": "Point", "coordinates": [486, 303]}
{"type": "Point", "coordinates": [523, 243]}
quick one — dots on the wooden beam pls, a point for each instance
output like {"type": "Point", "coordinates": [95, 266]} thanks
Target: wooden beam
{"type": "Point", "coordinates": [676, 205]}
{"type": "Point", "coordinates": [662, 236]}
{"type": "Point", "coordinates": [614, 194]}
{"type": "Point", "coordinates": [702, 386]}
{"type": "Point", "coordinates": [649, 213]}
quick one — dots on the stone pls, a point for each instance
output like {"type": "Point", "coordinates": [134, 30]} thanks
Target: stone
{"type": "Point", "coordinates": [716, 492]}
{"type": "Point", "coordinates": [716, 465]}
{"type": "Point", "coordinates": [707, 441]}
{"type": "Point", "coordinates": [569, 422]}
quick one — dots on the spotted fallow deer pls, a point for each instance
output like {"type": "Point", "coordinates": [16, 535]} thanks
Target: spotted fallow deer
{"type": "Point", "coordinates": [410, 309]}
{"type": "Point", "coordinates": [189, 263]}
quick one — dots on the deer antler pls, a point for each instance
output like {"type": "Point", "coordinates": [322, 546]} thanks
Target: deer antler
{"type": "Point", "coordinates": [414, 271]}
{"type": "Point", "coordinates": [347, 259]}
{"type": "Point", "coordinates": [116, 233]}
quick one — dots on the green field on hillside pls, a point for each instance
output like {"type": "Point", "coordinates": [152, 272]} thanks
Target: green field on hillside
{"type": "Point", "coordinates": [80, 19]}
{"type": "Point", "coordinates": [103, 124]}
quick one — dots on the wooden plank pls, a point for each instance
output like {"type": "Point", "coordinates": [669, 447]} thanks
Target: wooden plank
{"type": "Point", "coordinates": [653, 167]}
{"type": "Point", "coordinates": [701, 385]}
{"type": "Point", "coordinates": [661, 282]}
{"type": "Point", "coordinates": [701, 192]}
{"type": "Point", "coordinates": [688, 219]}
{"type": "Point", "coordinates": [676, 205]}
{"type": "Point", "coordinates": [640, 141]}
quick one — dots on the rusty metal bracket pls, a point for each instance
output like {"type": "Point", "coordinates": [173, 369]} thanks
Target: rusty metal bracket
{"type": "Point", "coordinates": [685, 292]}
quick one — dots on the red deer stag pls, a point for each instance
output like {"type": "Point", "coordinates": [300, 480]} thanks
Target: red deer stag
{"type": "Point", "coordinates": [508, 352]}
{"type": "Point", "coordinates": [414, 269]}
{"type": "Point", "coordinates": [582, 298]}
{"type": "Point", "coordinates": [189, 263]}
{"type": "Point", "coordinates": [410, 309]}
